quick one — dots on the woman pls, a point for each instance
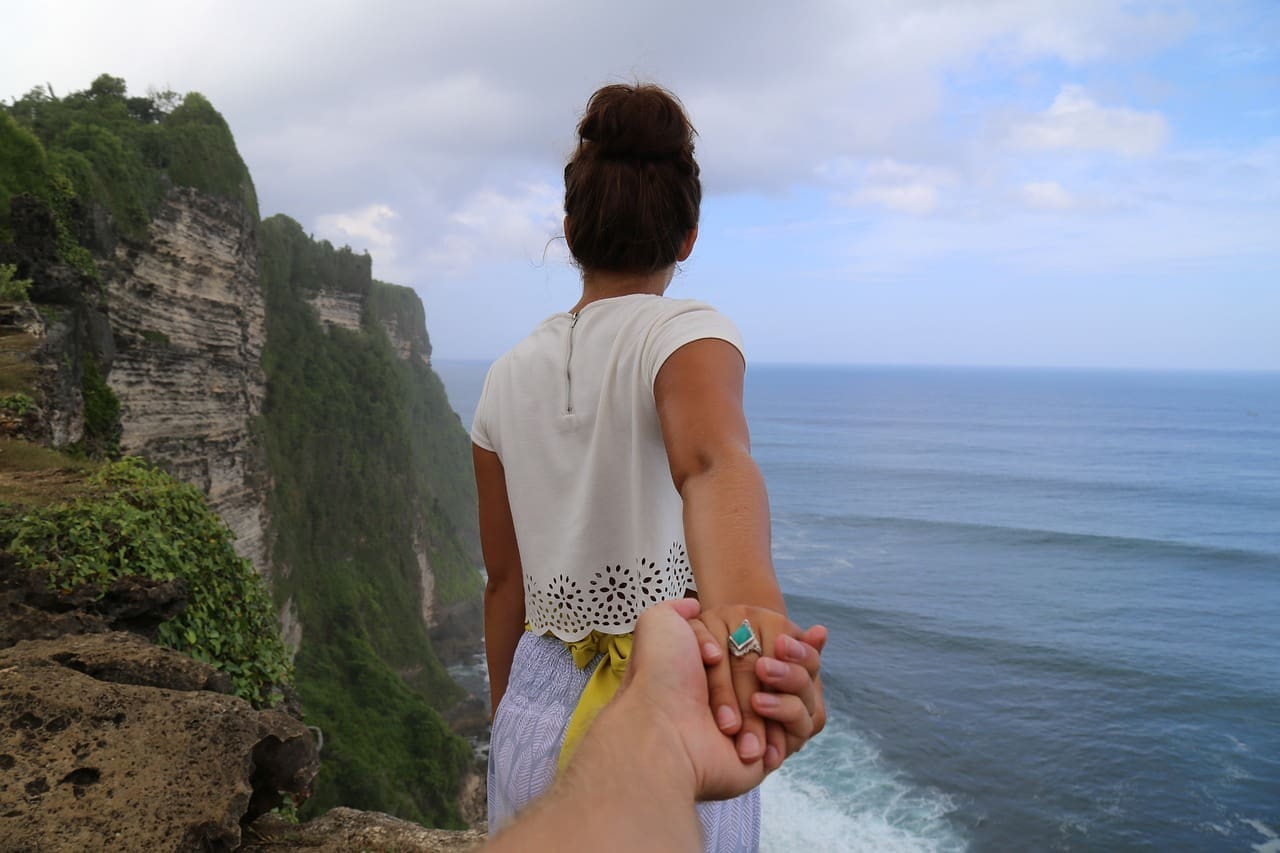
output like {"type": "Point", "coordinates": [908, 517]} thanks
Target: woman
{"type": "Point", "coordinates": [613, 467]}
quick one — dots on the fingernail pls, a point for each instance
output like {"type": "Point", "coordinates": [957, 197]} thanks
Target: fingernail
{"type": "Point", "coordinates": [793, 649]}
{"type": "Point", "coordinates": [749, 746]}
{"type": "Point", "coordinates": [767, 701]}
{"type": "Point", "coordinates": [724, 716]}
{"type": "Point", "coordinates": [710, 650]}
{"type": "Point", "coordinates": [774, 668]}
{"type": "Point", "coordinates": [771, 756]}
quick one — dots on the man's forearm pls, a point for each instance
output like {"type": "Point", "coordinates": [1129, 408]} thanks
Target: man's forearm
{"type": "Point", "coordinates": [629, 789]}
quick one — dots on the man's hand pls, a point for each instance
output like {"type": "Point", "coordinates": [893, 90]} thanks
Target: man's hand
{"type": "Point", "coordinates": [737, 685]}
{"type": "Point", "coordinates": [658, 736]}
{"type": "Point", "coordinates": [667, 681]}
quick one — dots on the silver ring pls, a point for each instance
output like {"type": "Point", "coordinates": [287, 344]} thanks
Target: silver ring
{"type": "Point", "coordinates": [744, 640]}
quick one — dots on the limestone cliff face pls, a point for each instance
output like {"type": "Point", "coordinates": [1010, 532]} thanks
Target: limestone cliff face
{"type": "Point", "coordinates": [345, 310]}
{"type": "Point", "coordinates": [405, 341]}
{"type": "Point", "coordinates": [338, 308]}
{"type": "Point", "coordinates": [188, 320]}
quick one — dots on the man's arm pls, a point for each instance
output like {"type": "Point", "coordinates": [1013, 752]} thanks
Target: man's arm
{"type": "Point", "coordinates": [658, 737]}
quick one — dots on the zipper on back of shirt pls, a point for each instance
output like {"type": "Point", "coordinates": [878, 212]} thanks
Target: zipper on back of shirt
{"type": "Point", "coordinates": [568, 367]}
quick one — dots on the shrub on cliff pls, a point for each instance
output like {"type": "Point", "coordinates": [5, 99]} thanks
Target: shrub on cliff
{"type": "Point", "coordinates": [121, 152]}
{"type": "Point", "coordinates": [137, 521]}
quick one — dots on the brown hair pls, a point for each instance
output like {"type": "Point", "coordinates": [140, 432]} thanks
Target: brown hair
{"type": "Point", "coordinates": [631, 188]}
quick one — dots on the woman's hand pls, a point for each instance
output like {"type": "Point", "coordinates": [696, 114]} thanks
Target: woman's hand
{"type": "Point", "coordinates": [796, 701]}
{"type": "Point", "coordinates": [772, 704]}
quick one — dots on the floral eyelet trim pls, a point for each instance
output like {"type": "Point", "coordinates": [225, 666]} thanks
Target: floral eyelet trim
{"type": "Point", "coordinates": [613, 598]}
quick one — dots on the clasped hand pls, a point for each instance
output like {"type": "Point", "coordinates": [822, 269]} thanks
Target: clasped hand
{"type": "Point", "coordinates": [771, 703]}
{"type": "Point", "coordinates": [782, 706]}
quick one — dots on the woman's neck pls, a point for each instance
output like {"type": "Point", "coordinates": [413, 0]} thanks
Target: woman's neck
{"type": "Point", "coordinates": [606, 285]}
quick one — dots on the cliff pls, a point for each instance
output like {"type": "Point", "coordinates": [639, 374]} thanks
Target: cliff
{"type": "Point", "coordinates": [274, 374]}
{"type": "Point", "coordinates": [188, 321]}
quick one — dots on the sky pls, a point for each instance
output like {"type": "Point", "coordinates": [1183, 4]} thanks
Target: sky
{"type": "Point", "coordinates": [1076, 183]}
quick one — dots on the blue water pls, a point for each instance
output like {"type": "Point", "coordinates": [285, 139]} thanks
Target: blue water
{"type": "Point", "coordinates": [1054, 603]}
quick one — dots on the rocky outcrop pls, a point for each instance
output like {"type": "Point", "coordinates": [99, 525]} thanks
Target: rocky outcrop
{"type": "Point", "coordinates": [42, 349]}
{"type": "Point", "coordinates": [345, 310]}
{"type": "Point", "coordinates": [454, 628]}
{"type": "Point", "coordinates": [29, 610]}
{"type": "Point", "coordinates": [342, 830]}
{"type": "Point", "coordinates": [407, 341]}
{"type": "Point", "coordinates": [110, 742]}
{"type": "Point", "coordinates": [337, 308]}
{"type": "Point", "coordinates": [188, 318]}
{"type": "Point", "coordinates": [426, 583]}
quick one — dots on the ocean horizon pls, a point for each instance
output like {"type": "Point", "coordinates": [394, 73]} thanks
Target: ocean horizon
{"type": "Point", "coordinates": [1053, 597]}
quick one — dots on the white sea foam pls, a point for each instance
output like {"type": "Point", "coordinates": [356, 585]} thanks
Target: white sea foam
{"type": "Point", "coordinates": [838, 795]}
{"type": "Point", "coordinates": [1272, 843]}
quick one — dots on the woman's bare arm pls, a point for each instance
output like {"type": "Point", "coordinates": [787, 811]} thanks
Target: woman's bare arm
{"type": "Point", "coordinates": [698, 392]}
{"type": "Point", "coordinates": [504, 615]}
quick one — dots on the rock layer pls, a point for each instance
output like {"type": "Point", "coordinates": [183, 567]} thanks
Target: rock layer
{"type": "Point", "coordinates": [337, 308]}
{"type": "Point", "coordinates": [188, 317]}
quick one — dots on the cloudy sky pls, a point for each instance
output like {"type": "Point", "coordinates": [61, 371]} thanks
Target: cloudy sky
{"type": "Point", "coordinates": [1031, 182]}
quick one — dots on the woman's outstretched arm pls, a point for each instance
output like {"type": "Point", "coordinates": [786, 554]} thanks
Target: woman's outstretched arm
{"type": "Point", "coordinates": [504, 615]}
{"type": "Point", "coordinates": [698, 392]}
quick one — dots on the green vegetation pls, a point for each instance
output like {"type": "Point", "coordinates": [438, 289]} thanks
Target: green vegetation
{"type": "Point", "coordinates": [370, 468]}
{"type": "Point", "coordinates": [12, 288]}
{"type": "Point", "coordinates": [24, 168]}
{"type": "Point", "coordinates": [344, 425]}
{"type": "Point", "coordinates": [137, 521]}
{"type": "Point", "coordinates": [101, 414]}
{"type": "Point", "coordinates": [439, 441]}
{"type": "Point", "coordinates": [385, 748]}
{"type": "Point", "coordinates": [18, 404]}
{"type": "Point", "coordinates": [100, 145]}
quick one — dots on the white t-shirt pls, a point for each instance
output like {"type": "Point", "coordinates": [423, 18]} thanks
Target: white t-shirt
{"type": "Point", "coordinates": [570, 413]}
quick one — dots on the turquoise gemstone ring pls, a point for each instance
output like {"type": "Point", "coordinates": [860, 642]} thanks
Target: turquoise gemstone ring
{"type": "Point", "coordinates": [744, 640]}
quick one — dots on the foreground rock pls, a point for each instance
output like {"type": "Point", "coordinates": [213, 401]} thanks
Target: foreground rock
{"type": "Point", "coordinates": [110, 742]}
{"type": "Point", "coordinates": [341, 830]}
{"type": "Point", "coordinates": [29, 610]}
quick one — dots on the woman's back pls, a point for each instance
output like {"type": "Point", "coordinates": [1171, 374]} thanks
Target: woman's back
{"type": "Point", "coordinates": [571, 414]}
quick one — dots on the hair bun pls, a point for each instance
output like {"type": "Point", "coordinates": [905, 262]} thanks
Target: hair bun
{"type": "Point", "coordinates": [643, 122]}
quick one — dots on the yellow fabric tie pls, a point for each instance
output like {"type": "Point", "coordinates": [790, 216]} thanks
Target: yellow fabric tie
{"type": "Point", "coordinates": [601, 687]}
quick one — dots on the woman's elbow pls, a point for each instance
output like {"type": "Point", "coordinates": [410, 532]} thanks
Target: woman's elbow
{"type": "Point", "coordinates": [500, 583]}
{"type": "Point", "coordinates": [708, 462]}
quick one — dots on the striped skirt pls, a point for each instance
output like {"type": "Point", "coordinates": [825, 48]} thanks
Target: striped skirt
{"type": "Point", "coordinates": [529, 726]}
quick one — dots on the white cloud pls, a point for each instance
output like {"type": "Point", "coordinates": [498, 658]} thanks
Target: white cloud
{"type": "Point", "coordinates": [916, 198]}
{"type": "Point", "coordinates": [1074, 120]}
{"type": "Point", "coordinates": [366, 228]}
{"type": "Point", "coordinates": [901, 187]}
{"type": "Point", "coordinates": [493, 226]}
{"type": "Point", "coordinates": [1047, 195]}
{"type": "Point", "coordinates": [433, 133]}
{"type": "Point", "coordinates": [338, 101]}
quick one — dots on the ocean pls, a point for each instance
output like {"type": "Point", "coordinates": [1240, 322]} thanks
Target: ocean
{"type": "Point", "coordinates": [1053, 599]}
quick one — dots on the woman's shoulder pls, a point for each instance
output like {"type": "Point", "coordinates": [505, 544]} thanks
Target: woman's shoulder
{"type": "Point", "coordinates": [663, 309]}
{"type": "Point", "coordinates": [540, 336]}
